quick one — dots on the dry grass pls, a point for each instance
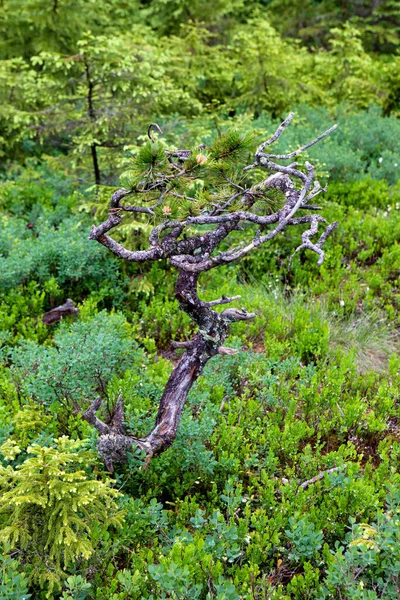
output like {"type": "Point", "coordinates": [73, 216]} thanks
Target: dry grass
{"type": "Point", "coordinates": [369, 336]}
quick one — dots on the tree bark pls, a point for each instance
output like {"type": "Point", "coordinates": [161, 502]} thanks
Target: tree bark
{"type": "Point", "coordinates": [96, 168]}
{"type": "Point", "coordinates": [56, 314]}
{"type": "Point", "coordinates": [113, 443]}
{"type": "Point", "coordinates": [92, 116]}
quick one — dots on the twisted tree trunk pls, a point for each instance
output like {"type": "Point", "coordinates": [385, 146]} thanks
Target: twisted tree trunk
{"type": "Point", "coordinates": [113, 443]}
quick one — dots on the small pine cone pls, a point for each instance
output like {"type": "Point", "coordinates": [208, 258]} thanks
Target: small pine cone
{"type": "Point", "coordinates": [201, 159]}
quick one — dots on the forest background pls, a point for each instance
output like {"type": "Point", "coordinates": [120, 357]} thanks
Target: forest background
{"type": "Point", "coordinates": [229, 511]}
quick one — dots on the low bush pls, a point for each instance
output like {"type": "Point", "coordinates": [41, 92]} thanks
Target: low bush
{"type": "Point", "coordinates": [80, 363]}
{"type": "Point", "coordinates": [50, 508]}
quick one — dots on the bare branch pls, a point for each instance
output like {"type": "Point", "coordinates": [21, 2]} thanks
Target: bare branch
{"type": "Point", "coordinates": [227, 351]}
{"type": "Point", "coordinates": [137, 209]}
{"type": "Point", "coordinates": [300, 150]}
{"type": "Point", "coordinates": [294, 201]}
{"type": "Point", "coordinates": [277, 133]}
{"type": "Point", "coordinates": [222, 300]}
{"type": "Point", "coordinates": [241, 215]}
{"type": "Point", "coordinates": [306, 242]}
{"type": "Point", "coordinates": [317, 189]}
{"type": "Point", "coordinates": [153, 126]}
{"type": "Point", "coordinates": [97, 233]}
{"type": "Point", "coordinates": [221, 207]}
{"type": "Point", "coordinates": [320, 476]}
{"type": "Point", "coordinates": [56, 314]}
{"type": "Point", "coordinates": [176, 226]}
{"type": "Point", "coordinates": [115, 203]}
{"type": "Point", "coordinates": [118, 416]}
{"type": "Point", "coordinates": [327, 232]}
{"type": "Point", "coordinates": [182, 197]}
{"type": "Point", "coordinates": [235, 314]}
{"type": "Point", "coordinates": [90, 416]}
{"type": "Point", "coordinates": [188, 344]}
{"type": "Point", "coordinates": [233, 184]}
{"type": "Point", "coordinates": [259, 154]}
{"type": "Point", "coordinates": [310, 207]}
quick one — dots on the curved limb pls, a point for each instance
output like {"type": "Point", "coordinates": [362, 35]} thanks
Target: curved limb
{"type": "Point", "coordinates": [302, 148]}
{"type": "Point", "coordinates": [294, 200]}
{"type": "Point", "coordinates": [153, 126]}
{"type": "Point", "coordinates": [260, 150]}
{"type": "Point", "coordinates": [307, 243]}
{"type": "Point", "coordinates": [99, 233]}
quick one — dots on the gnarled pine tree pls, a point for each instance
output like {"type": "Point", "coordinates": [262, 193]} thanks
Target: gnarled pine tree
{"type": "Point", "coordinates": [198, 198]}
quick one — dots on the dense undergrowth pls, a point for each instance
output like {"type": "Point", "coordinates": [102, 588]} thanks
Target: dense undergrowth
{"type": "Point", "coordinates": [222, 514]}
{"type": "Point", "coordinates": [283, 482]}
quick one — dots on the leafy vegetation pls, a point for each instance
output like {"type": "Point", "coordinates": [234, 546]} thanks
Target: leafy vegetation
{"type": "Point", "coordinates": [283, 480]}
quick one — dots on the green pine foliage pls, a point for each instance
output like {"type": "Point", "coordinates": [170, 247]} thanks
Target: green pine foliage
{"type": "Point", "coordinates": [49, 508]}
{"type": "Point", "coordinates": [232, 146]}
{"type": "Point", "coordinates": [206, 178]}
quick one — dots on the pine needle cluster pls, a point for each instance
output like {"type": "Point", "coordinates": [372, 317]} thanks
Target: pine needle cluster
{"type": "Point", "coordinates": [182, 183]}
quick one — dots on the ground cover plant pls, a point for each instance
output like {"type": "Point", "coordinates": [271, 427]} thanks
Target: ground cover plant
{"type": "Point", "coordinates": [282, 479]}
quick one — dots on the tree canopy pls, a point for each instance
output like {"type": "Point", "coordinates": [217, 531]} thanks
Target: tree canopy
{"type": "Point", "coordinates": [89, 77]}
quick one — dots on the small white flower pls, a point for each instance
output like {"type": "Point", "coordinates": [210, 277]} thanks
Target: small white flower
{"type": "Point", "coordinates": [380, 159]}
{"type": "Point", "coordinates": [396, 165]}
{"type": "Point", "coordinates": [341, 302]}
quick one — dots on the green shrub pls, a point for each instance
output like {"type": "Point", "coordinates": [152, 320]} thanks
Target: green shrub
{"type": "Point", "coordinates": [366, 195]}
{"type": "Point", "coordinates": [305, 540]}
{"type": "Point", "coordinates": [77, 588]}
{"type": "Point", "coordinates": [40, 188]}
{"type": "Point", "coordinates": [50, 507]}
{"type": "Point", "coordinates": [13, 582]}
{"type": "Point", "coordinates": [44, 252]}
{"type": "Point", "coordinates": [368, 565]}
{"type": "Point", "coordinates": [84, 357]}
{"type": "Point", "coordinates": [22, 309]}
